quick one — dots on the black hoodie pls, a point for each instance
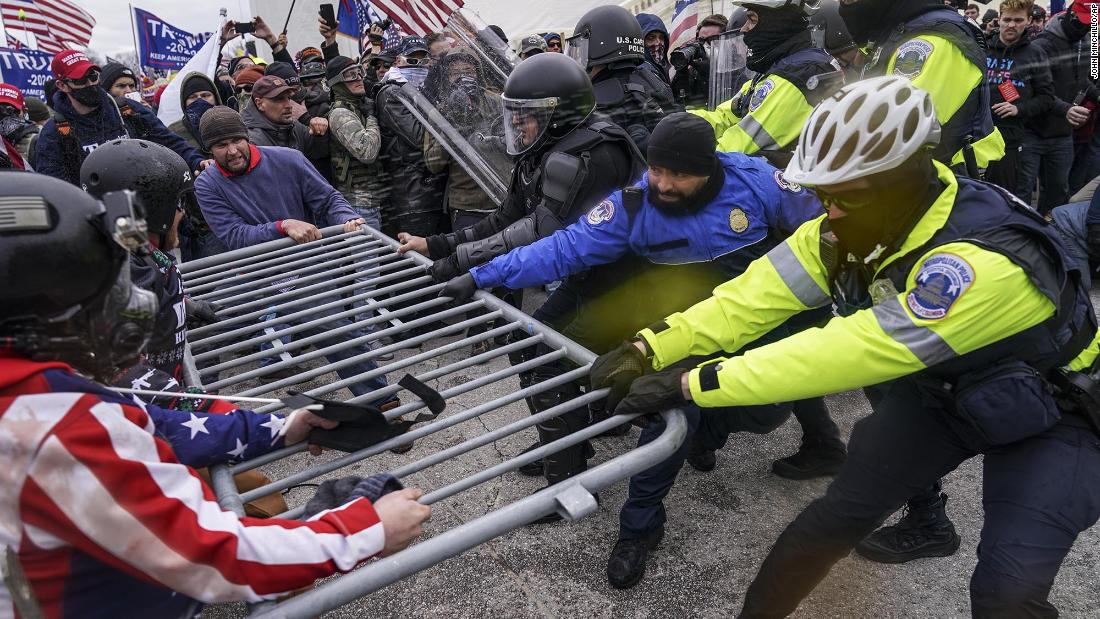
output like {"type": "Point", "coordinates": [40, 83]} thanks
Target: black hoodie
{"type": "Point", "coordinates": [1027, 68]}
{"type": "Point", "coordinates": [1066, 45]}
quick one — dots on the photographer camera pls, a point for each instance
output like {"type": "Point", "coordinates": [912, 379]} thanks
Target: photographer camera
{"type": "Point", "coordinates": [691, 64]}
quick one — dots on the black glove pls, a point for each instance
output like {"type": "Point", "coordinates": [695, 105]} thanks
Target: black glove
{"type": "Point", "coordinates": [366, 107]}
{"type": "Point", "coordinates": [617, 370]}
{"type": "Point", "coordinates": [445, 269]}
{"type": "Point", "coordinates": [199, 313]}
{"type": "Point", "coordinates": [460, 288]}
{"type": "Point", "coordinates": [654, 393]}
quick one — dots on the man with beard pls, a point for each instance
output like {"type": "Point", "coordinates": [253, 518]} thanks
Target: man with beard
{"type": "Point", "coordinates": [939, 52]}
{"type": "Point", "coordinates": [956, 302]}
{"type": "Point", "coordinates": [792, 76]}
{"type": "Point", "coordinates": [697, 219]}
{"type": "Point", "coordinates": [86, 116]}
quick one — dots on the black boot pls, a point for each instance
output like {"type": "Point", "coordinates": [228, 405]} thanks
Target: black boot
{"type": "Point", "coordinates": [924, 531]}
{"type": "Point", "coordinates": [534, 469]}
{"type": "Point", "coordinates": [598, 412]}
{"type": "Point", "coordinates": [626, 565]}
{"type": "Point", "coordinates": [813, 459]}
{"type": "Point", "coordinates": [699, 457]}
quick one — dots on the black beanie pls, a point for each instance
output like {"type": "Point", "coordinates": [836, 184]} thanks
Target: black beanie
{"type": "Point", "coordinates": [683, 142]}
{"type": "Point", "coordinates": [195, 83]}
{"type": "Point", "coordinates": [336, 66]}
{"type": "Point", "coordinates": [112, 72]}
{"type": "Point", "coordinates": [284, 70]}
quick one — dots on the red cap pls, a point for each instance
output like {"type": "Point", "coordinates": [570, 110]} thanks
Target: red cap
{"type": "Point", "coordinates": [12, 96]}
{"type": "Point", "coordinates": [1081, 10]}
{"type": "Point", "coordinates": [71, 64]}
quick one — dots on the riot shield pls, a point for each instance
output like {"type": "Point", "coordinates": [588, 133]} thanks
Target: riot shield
{"type": "Point", "coordinates": [460, 106]}
{"type": "Point", "coordinates": [474, 34]}
{"type": "Point", "coordinates": [728, 71]}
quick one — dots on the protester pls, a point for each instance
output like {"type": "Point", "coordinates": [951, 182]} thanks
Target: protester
{"type": "Point", "coordinates": [243, 83]}
{"type": "Point", "coordinates": [356, 142]}
{"type": "Point", "coordinates": [655, 36]}
{"type": "Point", "coordinates": [15, 126]}
{"type": "Point", "coordinates": [531, 45]}
{"type": "Point", "coordinates": [118, 79]}
{"type": "Point", "coordinates": [271, 121]}
{"type": "Point", "coordinates": [198, 94]}
{"type": "Point", "coordinates": [553, 42]}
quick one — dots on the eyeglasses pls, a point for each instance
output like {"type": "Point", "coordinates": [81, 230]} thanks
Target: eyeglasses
{"type": "Point", "coordinates": [91, 77]}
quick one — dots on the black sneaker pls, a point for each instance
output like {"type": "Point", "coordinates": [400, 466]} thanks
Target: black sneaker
{"type": "Point", "coordinates": [915, 536]}
{"type": "Point", "coordinates": [532, 469]}
{"type": "Point", "coordinates": [811, 461]}
{"type": "Point", "coordinates": [626, 565]}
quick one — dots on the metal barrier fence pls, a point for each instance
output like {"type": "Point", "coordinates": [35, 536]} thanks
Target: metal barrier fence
{"type": "Point", "coordinates": [347, 292]}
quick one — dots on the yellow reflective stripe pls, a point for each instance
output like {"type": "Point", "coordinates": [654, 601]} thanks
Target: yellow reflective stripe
{"type": "Point", "coordinates": [797, 278]}
{"type": "Point", "coordinates": [925, 344]}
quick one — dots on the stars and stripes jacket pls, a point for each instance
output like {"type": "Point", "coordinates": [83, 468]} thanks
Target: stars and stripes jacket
{"type": "Point", "coordinates": [106, 518]}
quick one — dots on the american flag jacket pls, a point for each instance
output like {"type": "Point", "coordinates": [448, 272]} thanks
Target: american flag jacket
{"type": "Point", "coordinates": [107, 518]}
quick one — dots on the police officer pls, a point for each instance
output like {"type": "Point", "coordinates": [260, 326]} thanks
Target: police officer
{"type": "Point", "coordinates": [792, 76]}
{"type": "Point", "coordinates": [697, 219]}
{"type": "Point", "coordinates": [944, 55]}
{"type": "Point", "coordinates": [608, 43]}
{"type": "Point", "coordinates": [163, 185]}
{"type": "Point", "coordinates": [987, 309]}
{"type": "Point", "coordinates": [941, 53]}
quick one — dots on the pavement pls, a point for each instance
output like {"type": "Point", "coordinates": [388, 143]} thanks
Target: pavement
{"type": "Point", "coordinates": [720, 527]}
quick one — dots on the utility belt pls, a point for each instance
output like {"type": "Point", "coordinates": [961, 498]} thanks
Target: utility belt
{"type": "Point", "coordinates": [1078, 394]}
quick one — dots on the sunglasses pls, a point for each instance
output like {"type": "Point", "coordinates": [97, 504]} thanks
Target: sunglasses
{"type": "Point", "coordinates": [91, 77]}
{"type": "Point", "coordinates": [554, 45]}
{"type": "Point", "coordinates": [245, 88]}
{"type": "Point", "coordinates": [414, 62]}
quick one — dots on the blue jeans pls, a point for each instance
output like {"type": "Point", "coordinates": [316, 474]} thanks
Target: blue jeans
{"type": "Point", "coordinates": [1047, 160]}
{"type": "Point", "coordinates": [195, 247]}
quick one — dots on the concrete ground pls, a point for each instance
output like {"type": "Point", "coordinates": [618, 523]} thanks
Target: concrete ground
{"type": "Point", "coordinates": [720, 526]}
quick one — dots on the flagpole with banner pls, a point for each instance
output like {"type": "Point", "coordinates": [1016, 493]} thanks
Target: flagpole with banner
{"type": "Point", "coordinates": [137, 48]}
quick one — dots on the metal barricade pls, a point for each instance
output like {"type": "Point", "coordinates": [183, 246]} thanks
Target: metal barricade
{"type": "Point", "coordinates": [357, 281]}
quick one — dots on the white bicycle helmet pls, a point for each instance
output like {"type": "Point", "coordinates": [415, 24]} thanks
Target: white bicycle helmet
{"type": "Point", "coordinates": [867, 127]}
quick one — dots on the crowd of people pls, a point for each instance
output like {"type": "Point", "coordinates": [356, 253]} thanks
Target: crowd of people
{"type": "Point", "coordinates": [809, 197]}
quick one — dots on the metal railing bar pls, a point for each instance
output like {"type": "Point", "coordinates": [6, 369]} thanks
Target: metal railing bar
{"type": "Point", "coordinates": [200, 284]}
{"type": "Point", "coordinates": [245, 256]}
{"type": "Point", "coordinates": [384, 263]}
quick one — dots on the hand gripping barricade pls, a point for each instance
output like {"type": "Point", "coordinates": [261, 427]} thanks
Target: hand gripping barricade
{"type": "Point", "coordinates": [398, 302]}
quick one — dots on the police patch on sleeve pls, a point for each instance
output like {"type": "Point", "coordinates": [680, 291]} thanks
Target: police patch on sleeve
{"type": "Point", "coordinates": [785, 184]}
{"type": "Point", "coordinates": [942, 279]}
{"type": "Point", "coordinates": [602, 212]}
{"type": "Point", "coordinates": [761, 92]}
{"type": "Point", "coordinates": [910, 59]}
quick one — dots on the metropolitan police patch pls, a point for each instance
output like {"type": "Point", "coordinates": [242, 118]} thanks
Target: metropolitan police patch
{"type": "Point", "coordinates": [758, 95]}
{"type": "Point", "coordinates": [602, 212]}
{"type": "Point", "coordinates": [942, 279]}
{"type": "Point", "coordinates": [910, 59]}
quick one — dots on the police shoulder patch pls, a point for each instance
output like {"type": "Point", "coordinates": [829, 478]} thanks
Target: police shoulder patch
{"type": "Point", "coordinates": [785, 184]}
{"type": "Point", "coordinates": [910, 58]}
{"type": "Point", "coordinates": [602, 212]}
{"type": "Point", "coordinates": [761, 92]}
{"type": "Point", "coordinates": [739, 221]}
{"type": "Point", "coordinates": [941, 280]}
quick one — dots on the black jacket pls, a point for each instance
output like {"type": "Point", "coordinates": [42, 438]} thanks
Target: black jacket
{"type": "Point", "coordinates": [1069, 68]}
{"type": "Point", "coordinates": [1027, 68]}
{"type": "Point", "coordinates": [413, 188]}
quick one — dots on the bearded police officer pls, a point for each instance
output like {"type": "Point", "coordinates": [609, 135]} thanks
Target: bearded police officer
{"type": "Point", "coordinates": [964, 301]}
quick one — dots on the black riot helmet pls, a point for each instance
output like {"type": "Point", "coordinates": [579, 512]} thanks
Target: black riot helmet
{"type": "Point", "coordinates": [830, 33]}
{"type": "Point", "coordinates": [546, 96]}
{"type": "Point", "coordinates": [159, 177]}
{"type": "Point", "coordinates": [65, 290]}
{"type": "Point", "coordinates": [604, 35]}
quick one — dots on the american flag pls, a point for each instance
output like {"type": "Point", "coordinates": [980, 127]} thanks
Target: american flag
{"type": "Point", "coordinates": [684, 20]}
{"type": "Point", "coordinates": [419, 17]}
{"type": "Point", "coordinates": [56, 24]}
{"type": "Point", "coordinates": [13, 42]}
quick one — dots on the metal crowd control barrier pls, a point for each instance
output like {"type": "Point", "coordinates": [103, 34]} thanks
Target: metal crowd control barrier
{"type": "Point", "coordinates": [333, 289]}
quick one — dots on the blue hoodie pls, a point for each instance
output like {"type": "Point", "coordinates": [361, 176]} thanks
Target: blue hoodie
{"type": "Point", "coordinates": [651, 23]}
{"type": "Point", "coordinates": [99, 127]}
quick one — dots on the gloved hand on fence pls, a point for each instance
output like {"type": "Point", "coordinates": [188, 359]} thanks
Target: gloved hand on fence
{"type": "Point", "coordinates": [460, 288]}
{"type": "Point", "coordinates": [199, 313]}
{"type": "Point", "coordinates": [654, 393]}
{"type": "Point", "coordinates": [445, 269]}
{"type": "Point", "coordinates": [333, 493]}
{"type": "Point", "coordinates": [618, 369]}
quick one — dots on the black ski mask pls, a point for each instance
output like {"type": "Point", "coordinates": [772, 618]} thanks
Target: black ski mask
{"type": "Point", "coordinates": [767, 42]}
{"type": "Point", "coordinates": [87, 96]}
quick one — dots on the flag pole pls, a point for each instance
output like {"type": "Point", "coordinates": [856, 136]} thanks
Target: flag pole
{"type": "Point", "coordinates": [137, 49]}
{"type": "Point", "coordinates": [288, 14]}
{"type": "Point", "coordinates": [26, 33]}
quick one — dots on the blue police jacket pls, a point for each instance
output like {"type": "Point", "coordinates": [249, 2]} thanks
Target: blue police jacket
{"type": "Point", "coordinates": [755, 209]}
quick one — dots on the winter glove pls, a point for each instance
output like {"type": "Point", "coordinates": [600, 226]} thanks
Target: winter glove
{"type": "Point", "coordinates": [199, 313]}
{"type": "Point", "coordinates": [617, 370]}
{"type": "Point", "coordinates": [460, 288]}
{"type": "Point", "coordinates": [652, 394]}
{"type": "Point", "coordinates": [366, 107]}
{"type": "Point", "coordinates": [333, 493]}
{"type": "Point", "coordinates": [445, 269]}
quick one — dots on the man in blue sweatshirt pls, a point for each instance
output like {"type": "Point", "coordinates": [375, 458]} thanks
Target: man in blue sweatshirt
{"type": "Point", "coordinates": [255, 194]}
{"type": "Point", "coordinates": [86, 116]}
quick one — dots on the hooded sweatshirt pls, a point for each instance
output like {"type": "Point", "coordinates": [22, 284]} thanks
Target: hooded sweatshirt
{"type": "Point", "coordinates": [263, 132]}
{"type": "Point", "coordinates": [652, 23]}
{"type": "Point", "coordinates": [1025, 66]}
{"type": "Point", "coordinates": [184, 127]}
{"type": "Point", "coordinates": [1068, 53]}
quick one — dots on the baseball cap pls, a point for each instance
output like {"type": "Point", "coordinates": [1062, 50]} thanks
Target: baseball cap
{"type": "Point", "coordinates": [410, 45]}
{"type": "Point", "coordinates": [532, 42]}
{"type": "Point", "coordinates": [270, 86]}
{"type": "Point", "coordinates": [71, 64]}
{"type": "Point", "coordinates": [1081, 8]}
{"type": "Point", "coordinates": [284, 70]}
{"type": "Point", "coordinates": [12, 96]}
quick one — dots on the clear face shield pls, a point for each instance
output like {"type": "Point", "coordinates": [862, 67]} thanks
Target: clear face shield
{"type": "Point", "coordinates": [728, 73]}
{"type": "Point", "coordinates": [576, 47]}
{"type": "Point", "coordinates": [526, 121]}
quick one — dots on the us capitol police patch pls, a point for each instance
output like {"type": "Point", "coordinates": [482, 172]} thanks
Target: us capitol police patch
{"type": "Point", "coordinates": [942, 279]}
{"type": "Point", "coordinates": [910, 59]}
{"type": "Point", "coordinates": [739, 221]}
{"type": "Point", "coordinates": [602, 212]}
{"type": "Point", "coordinates": [761, 92]}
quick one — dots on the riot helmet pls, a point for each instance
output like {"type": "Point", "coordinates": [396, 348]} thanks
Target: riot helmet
{"type": "Point", "coordinates": [65, 291]}
{"type": "Point", "coordinates": [546, 95]}
{"type": "Point", "coordinates": [160, 178]}
{"type": "Point", "coordinates": [604, 35]}
{"type": "Point", "coordinates": [829, 31]}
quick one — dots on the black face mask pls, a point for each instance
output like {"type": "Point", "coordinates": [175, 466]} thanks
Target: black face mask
{"type": "Point", "coordinates": [87, 96]}
{"type": "Point", "coordinates": [776, 27]}
{"type": "Point", "coordinates": [1075, 30]}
